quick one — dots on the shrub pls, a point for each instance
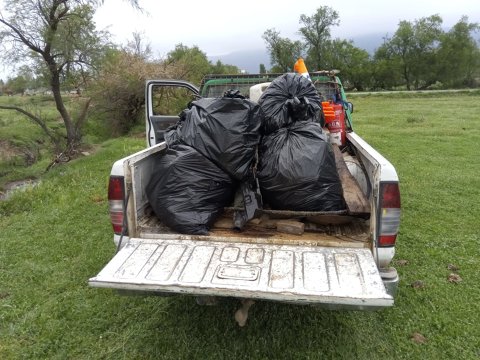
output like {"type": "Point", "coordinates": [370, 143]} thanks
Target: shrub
{"type": "Point", "coordinates": [119, 90]}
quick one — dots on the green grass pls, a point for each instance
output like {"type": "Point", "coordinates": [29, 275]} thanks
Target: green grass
{"type": "Point", "coordinates": [55, 236]}
{"type": "Point", "coordinates": [25, 150]}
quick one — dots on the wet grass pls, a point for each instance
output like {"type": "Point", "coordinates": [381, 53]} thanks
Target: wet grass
{"type": "Point", "coordinates": [57, 235]}
{"type": "Point", "coordinates": [25, 150]}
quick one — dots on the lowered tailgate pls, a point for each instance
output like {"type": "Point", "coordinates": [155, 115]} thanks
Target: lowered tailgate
{"type": "Point", "coordinates": [289, 273]}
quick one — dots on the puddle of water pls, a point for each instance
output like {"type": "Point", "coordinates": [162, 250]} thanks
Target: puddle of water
{"type": "Point", "coordinates": [18, 185]}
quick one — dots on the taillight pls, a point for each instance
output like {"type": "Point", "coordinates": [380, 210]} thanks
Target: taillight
{"type": "Point", "coordinates": [115, 202]}
{"type": "Point", "coordinates": [389, 214]}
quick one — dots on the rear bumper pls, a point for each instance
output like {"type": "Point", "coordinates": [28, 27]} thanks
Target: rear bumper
{"type": "Point", "coordinates": [390, 280]}
{"type": "Point", "coordinates": [116, 241]}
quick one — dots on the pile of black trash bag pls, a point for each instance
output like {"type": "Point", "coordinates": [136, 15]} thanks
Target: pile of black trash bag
{"type": "Point", "coordinates": [288, 99]}
{"type": "Point", "coordinates": [212, 153]}
{"type": "Point", "coordinates": [211, 150]}
{"type": "Point", "coordinates": [187, 191]}
{"type": "Point", "coordinates": [296, 167]}
{"type": "Point", "coordinates": [225, 130]}
{"type": "Point", "coordinates": [297, 170]}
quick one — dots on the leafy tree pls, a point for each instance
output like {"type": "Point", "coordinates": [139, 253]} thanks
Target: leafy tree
{"type": "Point", "coordinates": [386, 69]}
{"type": "Point", "coordinates": [283, 51]}
{"type": "Point", "coordinates": [221, 68]}
{"type": "Point", "coordinates": [414, 44]}
{"type": "Point", "coordinates": [25, 79]}
{"type": "Point", "coordinates": [59, 37]}
{"type": "Point", "coordinates": [262, 69]}
{"type": "Point", "coordinates": [191, 62]}
{"type": "Point", "coordinates": [459, 55]}
{"type": "Point", "coordinates": [119, 88]}
{"type": "Point", "coordinates": [354, 63]}
{"type": "Point", "coordinates": [316, 33]}
{"type": "Point", "coordinates": [18, 84]}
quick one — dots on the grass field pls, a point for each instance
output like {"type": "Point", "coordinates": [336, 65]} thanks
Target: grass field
{"type": "Point", "coordinates": [55, 236]}
{"type": "Point", "coordinates": [25, 150]}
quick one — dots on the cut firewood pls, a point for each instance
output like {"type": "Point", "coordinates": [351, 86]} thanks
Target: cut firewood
{"type": "Point", "coordinates": [331, 219]}
{"type": "Point", "coordinates": [290, 227]}
{"type": "Point", "coordinates": [223, 223]}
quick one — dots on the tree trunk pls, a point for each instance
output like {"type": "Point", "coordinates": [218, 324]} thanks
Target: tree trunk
{"type": "Point", "coordinates": [73, 137]}
{"type": "Point", "coordinates": [407, 78]}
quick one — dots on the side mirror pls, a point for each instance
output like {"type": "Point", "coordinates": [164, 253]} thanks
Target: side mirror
{"type": "Point", "coordinates": [350, 107]}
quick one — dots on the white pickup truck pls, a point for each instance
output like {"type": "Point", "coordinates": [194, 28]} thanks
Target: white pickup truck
{"type": "Point", "coordinates": [339, 261]}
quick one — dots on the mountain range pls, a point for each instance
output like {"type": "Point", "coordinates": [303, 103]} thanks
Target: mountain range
{"type": "Point", "coordinates": [250, 60]}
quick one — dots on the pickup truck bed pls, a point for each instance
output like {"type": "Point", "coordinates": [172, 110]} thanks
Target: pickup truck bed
{"type": "Point", "coordinates": [331, 264]}
{"type": "Point", "coordinates": [340, 259]}
{"type": "Point", "coordinates": [353, 234]}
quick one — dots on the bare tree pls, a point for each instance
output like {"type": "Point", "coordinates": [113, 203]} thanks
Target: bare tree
{"type": "Point", "coordinates": [59, 38]}
{"type": "Point", "coordinates": [138, 47]}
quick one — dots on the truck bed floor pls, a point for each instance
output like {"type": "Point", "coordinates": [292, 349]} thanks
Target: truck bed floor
{"type": "Point", "coordinates": [355, 233]}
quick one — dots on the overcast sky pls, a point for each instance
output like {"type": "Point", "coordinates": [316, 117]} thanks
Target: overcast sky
{"type": "Point", "coordinates": [220, 27]}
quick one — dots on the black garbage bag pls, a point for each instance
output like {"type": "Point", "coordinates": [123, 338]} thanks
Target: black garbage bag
{"type": "Point", "coordinates": [289, 98]}
{"type": "Point", "coordinates": [248, 200]}
{"type": "Point", "coordinates": [225, 130]}
{"type": "Point", "coordinates": [297, 170]}
{"type": "Point", "coordinates": [187, 191]}
{"type": "Point", "coordinates": [171, 133]}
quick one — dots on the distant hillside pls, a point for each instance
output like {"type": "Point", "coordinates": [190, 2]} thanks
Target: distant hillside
{"type": "Point", "coordinates": [369, 42]}
{"type": "Point", "coordinates": [250, 60]}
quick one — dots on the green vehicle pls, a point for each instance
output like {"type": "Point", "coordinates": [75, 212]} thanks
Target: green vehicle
{"type": "Point", "coordinates": [172, 97]}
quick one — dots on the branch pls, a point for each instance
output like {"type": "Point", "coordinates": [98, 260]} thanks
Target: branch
{"type": "Point", "coordinates": [35, 119]}
{"type": "Point", "coordinates": [43, 12]}
{"type": "Point", "coordinates": [82, 117]}
{"type": "Point", "coordinates": [53, 20]}
{"type": "Point", "coordinates": [22, 37]}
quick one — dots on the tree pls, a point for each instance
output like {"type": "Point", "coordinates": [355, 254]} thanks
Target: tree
{"type": "Point", "coordinates": [414, 44]}
{"type": "Point", "coordinates": [262, 69]}
{"type": "Point", "coordinates": [459, 55]}
{"type": "Point", "coordinates": [17, 84]}
{"type": "Point", "coordinates": [316, 32]}
{"type": "Point", "coordinates": [221, 68]}
{"type": "Point", "coordinates": [137, 46]}
{"type": "Point", "coordinates": [59, 37]}
{"type": "Point", "coordinates": [120, 85]}
{"type": "Point", "coordinates": [386, 68]}
{"type": "Point", "coordinates": [25, 79]}
{"type": "Point", "coordinates": [283, 51]}
{"type": "Point", "coordinates": [191, 62]}
{"type": "Point", "coordinates": [354, 63]}
{"type": "Point", "coordinates": [119, 88]}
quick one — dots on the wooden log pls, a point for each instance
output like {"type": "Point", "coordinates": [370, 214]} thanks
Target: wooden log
{"type": "Point", "coordinates": [357, 202]}
{"type": "Point", "coordinates": [331, 219]}
{"type": "Point", "coordinates": [290, 227]}
{"type": "Point", "coordinates": [223, 223]}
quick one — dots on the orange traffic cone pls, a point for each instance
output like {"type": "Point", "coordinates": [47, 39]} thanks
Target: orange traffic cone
{"type": "Point", "coordinates": [300, 68]}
